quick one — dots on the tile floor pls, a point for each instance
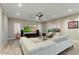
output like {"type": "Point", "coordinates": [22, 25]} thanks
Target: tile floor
{"type": "Point", "coordinates": [11, 48]}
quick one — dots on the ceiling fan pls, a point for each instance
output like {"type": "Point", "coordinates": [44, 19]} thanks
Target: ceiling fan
{"type": "Point", "coordinates": [38, 16]}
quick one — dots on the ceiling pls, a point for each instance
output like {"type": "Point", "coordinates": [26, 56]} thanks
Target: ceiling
{"type": "Point", "coordinates": [50, 11]}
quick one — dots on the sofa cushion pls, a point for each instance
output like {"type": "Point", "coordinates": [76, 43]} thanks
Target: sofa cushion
{"type": "Point", "coordinates": [55, 37]}
{"type": "Point", "coordinates": [45, 44]}
{"type": "Point", "coordinates": [58, 38]}
{"type": "Point", "coordinates": [39, 46]}
{"type": "Point", "coordinates": [35, 40]}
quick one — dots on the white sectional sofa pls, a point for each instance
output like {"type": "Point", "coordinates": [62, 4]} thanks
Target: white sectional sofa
{"type": "Point", "coordinates": [51, 46]}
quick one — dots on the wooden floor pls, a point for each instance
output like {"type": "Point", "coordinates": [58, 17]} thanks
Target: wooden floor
{"type": "Point", "coordinates": [13, 48]}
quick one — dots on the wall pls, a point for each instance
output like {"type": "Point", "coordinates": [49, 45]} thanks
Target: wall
{"type": "Point", "coordinates": [22, 22]}
{"type": "Point", "coordinates": [74, 33]}
{"type": "Point", "coordinates": [0, 27]}
{"type": "Point", "coordinates": [3, 28]}
{"type": "Point", "coordinates": [43, 27]}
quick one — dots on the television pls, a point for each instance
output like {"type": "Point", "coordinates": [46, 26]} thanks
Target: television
{"type": "Point", "coordinates": [27, 29]}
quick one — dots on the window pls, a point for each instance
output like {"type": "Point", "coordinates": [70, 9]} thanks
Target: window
{"type": "Point", "coordinates": [54, 27]}
{"type": "Point", "coordinates": [17, 28]}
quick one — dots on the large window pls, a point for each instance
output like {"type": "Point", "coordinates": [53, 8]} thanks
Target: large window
{"type": "Point", "coordinates": [54, 27]}
{"type": "Point", "coordinates": [17, 28]}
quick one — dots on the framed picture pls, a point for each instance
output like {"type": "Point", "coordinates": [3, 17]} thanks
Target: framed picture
{"type": "Point", "coordinates": [73, 24]}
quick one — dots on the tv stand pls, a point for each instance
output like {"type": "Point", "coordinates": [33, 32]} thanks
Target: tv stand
{"type": "Point", "coordinates": [30, 34]}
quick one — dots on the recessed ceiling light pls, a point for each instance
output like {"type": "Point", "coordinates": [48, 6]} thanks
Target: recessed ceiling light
{"type": "Point", "coordinates": [69, 10]}
{"type": "Point", "coordinates": [18, 13]}
{"type": "Point", "coordinates": [19, 4]}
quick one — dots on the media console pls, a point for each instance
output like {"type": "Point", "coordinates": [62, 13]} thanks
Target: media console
{"type": "Point", "coordinates": [30, 34]}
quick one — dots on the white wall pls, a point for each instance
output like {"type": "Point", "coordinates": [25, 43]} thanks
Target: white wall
{"type": "Point", "coordinates": [74, 33]}
{"type": "Point", "coordinates": [3, 28]}
{"type": "Point", "coordinates": [0, 27]}
{"type": "Point", "coordinates": [22, 22]}
{"type": "Point", "coordinates": [43, 27]}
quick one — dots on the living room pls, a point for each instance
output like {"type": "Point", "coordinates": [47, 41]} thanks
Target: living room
{"type": "Point", "coordinates": [42, 24]}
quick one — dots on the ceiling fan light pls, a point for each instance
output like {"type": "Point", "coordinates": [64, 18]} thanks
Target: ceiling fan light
{"type": "Point", "coordinates": [37, 18]}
